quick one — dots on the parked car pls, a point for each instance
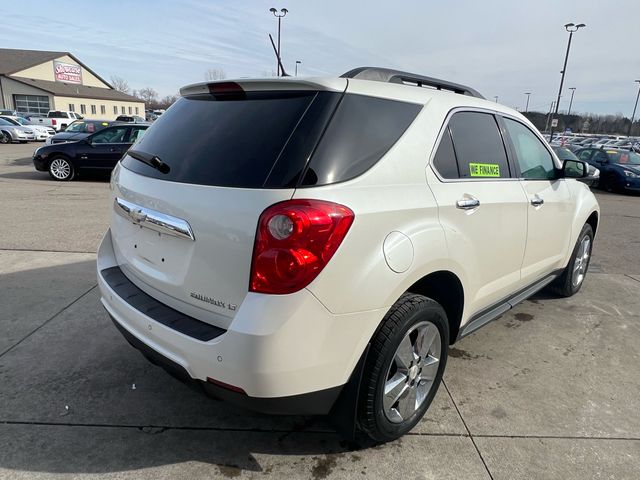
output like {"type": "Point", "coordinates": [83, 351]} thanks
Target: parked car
{"type": "Point", "coordinates": [8, 112]}
{"type": "Point", "coordinates": [130, 119]}
{"type": "Point", "coordinates": [57, 119]}
{"type": "Point", "coordinates": [78, 130]}
{"type": "Point", "coordinates": [40, 132]}
{"type": "Point", "coordinates": [10, 132]}
{"type": "Point", "coordinates": [98, 151]}
{"type": "Point", "coordinates": [315, 246]}
{"type": "Point", "coordinates": [619, 169]}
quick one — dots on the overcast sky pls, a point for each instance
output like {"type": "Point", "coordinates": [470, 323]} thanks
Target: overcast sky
{"type": "Point", "coordinates": [500, 47]}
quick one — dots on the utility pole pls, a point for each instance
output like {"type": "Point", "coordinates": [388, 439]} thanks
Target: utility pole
{"type": "Point", "coordinates": [633, 115]}
{"type": "Point", "coordinates": [546, 127]}
{"type": "Point", "coordinates": [526, 108]}
{"type": "Point", "coordinates": [573, 90]}
{"type": "Point", "coordinates": [298, 62]}
{"type": "Point", "coordinates": [571, 28]}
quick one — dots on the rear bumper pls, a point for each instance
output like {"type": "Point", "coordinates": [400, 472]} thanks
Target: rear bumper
{"type": "Point", "coordinates": [287, 353]}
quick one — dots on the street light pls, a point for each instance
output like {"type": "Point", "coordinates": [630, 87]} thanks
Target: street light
{"type": "Point", "coordinates": [573, 90]}
{"type": "Point", "coordinates": [496, 97]}
{"type": "Point", "coordinates": [298, 62]}
{"type": "Point", "coordinates": [528, 94]}
{"type": "Point", "coordinates": [571, 28]}
{"type": "Point", "coordinates": [633, 115]}
{"type": "Point", "coordinates": [283, 12]}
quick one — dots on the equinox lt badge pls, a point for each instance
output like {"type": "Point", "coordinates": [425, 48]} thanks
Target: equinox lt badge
{"type": "Point", "coordinates": [213, 301]}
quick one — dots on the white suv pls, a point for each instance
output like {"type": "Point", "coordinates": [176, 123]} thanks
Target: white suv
{"type": "Point", "coordinates": [315, 246]}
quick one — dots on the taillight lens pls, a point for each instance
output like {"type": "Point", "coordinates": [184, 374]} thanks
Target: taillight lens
{"type": "Point", "coordinates": [295, 241]}
{"type": "Point", "coordinates": [53, 121]}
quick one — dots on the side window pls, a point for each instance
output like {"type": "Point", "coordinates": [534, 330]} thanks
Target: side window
{"type": "Point", "coordinates": [110, 135]}
{"type": "Point", "coordinates": [534, 160]}
{"type": "Point", "coordinates": [585, 155]}
{"type": "Point", "coordinates": [136, 134]}
{"type": "Point", "coordinates": [478, 146]}
{"type": "Point", "coordinates": [600, 156]}
{"type": "Point", "coordinates": [444, 160]}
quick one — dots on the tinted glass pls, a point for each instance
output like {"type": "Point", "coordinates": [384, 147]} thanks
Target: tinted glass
{"type": "Point", "coordinates": [361, 132]}
{"type": "Point", "coordinates": [564, 153]}
{"type": "Point", "coordinates": [136, 134]}
{"type": "Point", "coordinates": [110, 135]}
{"type": "Point", "coordinates": [445, 158]}
{"type": "Point", "coordinates": [534, 160]}
{"type": "Point", "coordinates": [226, 142]}
{"type": "Point", "coordinates": [5, 122]}
{"type": "Point", "coordinates": [478, 146]}
{"type": "Point", "coordinates": [584, 155]}
{"type": "Point", "coordinates": [624, 157]}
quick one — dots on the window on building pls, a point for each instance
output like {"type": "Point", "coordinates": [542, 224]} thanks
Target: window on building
{"type": "Point", "coordinates": [130, 110]}
{"type": "Point", "coordinates": [115, 110]}
{"type": "Point", "coordinates": [103, 110]}
{"type": "Point", "coordinates": [28, 105]}
{"type": "Point", "coordinates": [93, 109]}
{"type": "Point", "coordinates": [83, 108]}
{"type": "Point", "coordinates": [123, 110]}
{"type": "Point", "coordinates": [137, 111]}
{"type": "Point", "coordinates": [72, 107]}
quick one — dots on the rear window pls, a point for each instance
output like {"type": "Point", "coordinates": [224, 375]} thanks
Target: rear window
{"type": "Point", "coordinates": [57, 115]}
{"type": "Point", "coordinates": [272, 139]}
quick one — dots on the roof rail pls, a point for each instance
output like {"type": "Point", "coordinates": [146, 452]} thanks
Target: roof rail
{"type": "Point", "coordinates": [395, 76]}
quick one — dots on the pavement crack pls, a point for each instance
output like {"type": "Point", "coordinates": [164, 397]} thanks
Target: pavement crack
{"type": "Point", "coordinates": [47, 321]}
{"type": "Point", "coordinates": [486, 467]}
{"type": "Point", "coordinates": [632, 278]}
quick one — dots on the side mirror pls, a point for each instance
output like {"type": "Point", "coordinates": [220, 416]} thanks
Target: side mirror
{"type": "Point", "coordinates": [575, 169]}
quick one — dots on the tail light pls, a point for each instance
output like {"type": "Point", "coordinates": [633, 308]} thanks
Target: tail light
{"type": "Point", "coordinates": [295, 241]}
{"type": "Point", "coordinates": [53, 121]}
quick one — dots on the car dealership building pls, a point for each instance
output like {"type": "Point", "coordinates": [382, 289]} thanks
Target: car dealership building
{"type": "Point", "coordinates": [34, 82]}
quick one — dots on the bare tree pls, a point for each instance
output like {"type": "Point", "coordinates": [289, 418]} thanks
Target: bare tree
{"type": "Point", "coordinates": [167, 101]}
{"type": "Point", "coordinates": [119, 84]}
{"type": "Point", "coordinates": [214, 74]}
{"type": "Point", "coordinates": [149, 96]}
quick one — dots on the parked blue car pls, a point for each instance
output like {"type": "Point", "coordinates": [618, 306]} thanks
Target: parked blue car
{"type": "Point", "coordinates": [619, 169]}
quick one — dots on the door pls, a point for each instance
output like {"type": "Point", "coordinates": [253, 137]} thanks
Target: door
{"type": "Point", "coordinates": [482, 207]}
{"type": "Point", "coordinates": [106, 147]}
{"type": "Point", "coordinates": [550, 205]}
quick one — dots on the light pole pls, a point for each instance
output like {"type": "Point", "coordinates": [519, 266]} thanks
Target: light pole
{"type": "Point", "coordinates": [526, 108]}
{"type": "Point", "coordinates": [283, 12]}
{"type": "Point", "coordinates": [573, 90]}
{"type": "Point", "coordinates": [633, 115]}
{"type": "Point", "coordinates": [496, 97]}
{"type": "Point", "coordinates": [571, 28]}
{"type": "Point", "coordinates": [298, 62]}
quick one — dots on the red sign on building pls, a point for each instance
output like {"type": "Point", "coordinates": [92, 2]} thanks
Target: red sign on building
{"type": "Point", "coordinates": [67, 72]}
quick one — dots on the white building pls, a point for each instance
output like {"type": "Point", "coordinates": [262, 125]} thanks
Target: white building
{"type": "Point", "coordinates": [34, 82]}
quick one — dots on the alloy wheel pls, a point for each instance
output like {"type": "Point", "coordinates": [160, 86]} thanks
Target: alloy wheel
{"type": "Point", "coordinates": [581, 262]}
{"type": "Point", "coordinates": [60, 169]}
{"type": "Point", "coordinates": [412, 372]}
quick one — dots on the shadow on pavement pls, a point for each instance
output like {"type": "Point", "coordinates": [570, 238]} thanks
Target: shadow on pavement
{"type": "Point", "coordinates": [75, 397]}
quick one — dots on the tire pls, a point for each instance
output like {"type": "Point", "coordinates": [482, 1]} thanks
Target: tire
{"type": "Point", "coordinates": [411, 317]}
{"type": "Point", "coordinates": [572, 278]}
{"type": "Point", "coordinates": [5, 138]}
{"type": "Point", "coordinates": [61, 169]}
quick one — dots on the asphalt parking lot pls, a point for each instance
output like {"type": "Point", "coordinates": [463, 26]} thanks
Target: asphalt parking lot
{"type": "Point", "coordinates": [550, 390]}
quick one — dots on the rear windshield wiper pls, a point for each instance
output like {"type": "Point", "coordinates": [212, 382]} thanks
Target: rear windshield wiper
{"type": "Point", "coordinates": [151, 160]}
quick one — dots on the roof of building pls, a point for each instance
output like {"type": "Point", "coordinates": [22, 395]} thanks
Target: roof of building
{"type": "Point", "coordinates": [73, 90]}
{"type": "Point", "coordinates": [12, 60]}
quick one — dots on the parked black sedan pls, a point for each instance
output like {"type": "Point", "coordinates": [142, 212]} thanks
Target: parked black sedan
{"type": "Point", "coordinates": [619, 169]}
{"type": "Point", "coordinates": [99, 151]}
{"type": "Point", "coordinates": [78, 130]}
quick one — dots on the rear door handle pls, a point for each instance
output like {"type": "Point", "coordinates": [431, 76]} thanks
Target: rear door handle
{"type": "Point", "coordinates": [537, 201]}
{"type": "Point", "coordinates": [468, 203]}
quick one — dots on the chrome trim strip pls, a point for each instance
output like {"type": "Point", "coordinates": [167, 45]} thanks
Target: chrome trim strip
{"type": "Point", "coordinates": [153, 220]}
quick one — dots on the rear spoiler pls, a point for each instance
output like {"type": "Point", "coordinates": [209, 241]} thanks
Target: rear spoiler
{"type": "Point", "coordinates": [262, 84]}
